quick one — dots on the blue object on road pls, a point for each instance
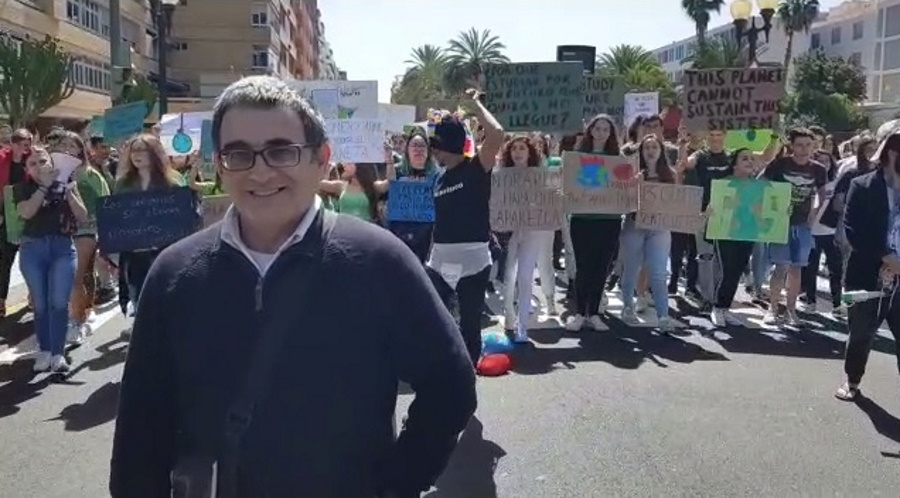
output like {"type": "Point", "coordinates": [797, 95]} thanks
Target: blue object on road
{"type": "Point", "coordinates": [495, 342]}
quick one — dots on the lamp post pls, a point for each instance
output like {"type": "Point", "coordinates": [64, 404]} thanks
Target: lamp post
{"type": "Point", "coordinates": [742, 13]}
{"type": "Point", "coordinates": [162, 11]}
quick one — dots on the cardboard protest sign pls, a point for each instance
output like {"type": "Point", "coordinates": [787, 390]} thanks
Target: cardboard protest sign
{"type": "Point", "coordinates": [337, 99]}
{"type": "Point", "coordinates": [356, 140]}
{"type": "Point", "coordinates": [733, 98]}
{"type": "Point", "coordinates": [598, 184]}
{"type": "Point", "coordinates": [123, 121]}
{"type": "Point", "coordinates": [182, 133]}
{"type": "Point", "coordinates": [145, 220]}
{"type": "Point", "coordinates": [410, 200]}
{"type": "Point", "coordinates": [535, 95]}
{"type": "Point", "coordinates": [526, 199]}
{"type": "Point", "coordinates": [396, 117]}
{"type": "Point", "coordinates": [640, 105]}
{"type": "Point", "coordinates": [750, 210]}
{"type": "Point", "coordinates": [214, 207]}
{"type": "Point", "coordinates": [667, 206]}
{"type": "Point", "coordinates": [604, 95]}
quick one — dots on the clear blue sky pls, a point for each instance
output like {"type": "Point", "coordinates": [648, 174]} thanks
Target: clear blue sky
{"type": "Point", "coordinates": [371, 39]}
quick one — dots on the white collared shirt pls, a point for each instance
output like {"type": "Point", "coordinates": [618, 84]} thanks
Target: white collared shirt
{"type": "Point", "coordinates": [231, 235]}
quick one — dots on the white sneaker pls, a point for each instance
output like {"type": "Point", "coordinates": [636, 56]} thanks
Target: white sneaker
{"type": "Point", "coordinates": [629, 316]}
{"type": "Point", "coordinates": [91, 316]}
{"type": "Point", "coordinates": [509, 322]}
{"type": "Point", "coordinates": [521, 336]}
{"type": "Point", "coordinates": [771, 318]}
{"type": "Point", "coordinates": [792, 319]}
{"type": "Point", "coordinates": [666, 324]}
{"type": "Point", "coordinates": [840, 312]}
{"type": "Point", "coordinates": [551, 308]}
{"type": "Point", "coordinates": [604, 303]}
{"type": "Point", "coordinates": [596, 323]}
{"type": "Point", "coordinates": [640, 304]}
{"type": "Point", "coordinates": [42, 361]}
{"type": "Point", "coordinates": [74, 335]}
{"type": "Point", "coordinates": [718, 317]}
{"type": "Point", "coordinates": [575, 323]}
{"type": "Point", "coordinates": [59, 364]}
{"type": "Point", "coordinates": [809, 307]}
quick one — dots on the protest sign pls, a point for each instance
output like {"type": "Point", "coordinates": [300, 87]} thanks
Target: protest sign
{"type": "Point", "coordinates": [749, 210]}
{"type": "Point", "coordinates": [733, 98]}
{"type": "Point", "coordinates": [181, 134]}
{"type": "Point", "coordinates": [356, 140]}
{"type": "Point", "coordinates": [410, 200]}
{"type": "Point", "coordinates": [95, 127]}
{"type": "Point", "coordinates": [14, 223]}
{"type": "Point", "coordinates": [526, 199]}
{"type": "Point", "coordinates": [598, 184]}
{"type": "Point", "coordinates": [603, 95]}
{"type": "Point", "coordinates": [336, 99]}
{"type": "Point", "coordinates": [206, 140]}
{"type": "Point", "coordinates": [755, 140]}
{"type": "Point", "coordinates": [123, 121]}
{"type": "Point", "coordinates": [640, 104]}
{"type": "Point", "coordinates": [396, 117]}
{"type": "Point", "coordinates": [145, 220]}
{"type": "Point", "coordinates": [667, 206]}
{"type": "Point", "coordinates": [214, 207]}
{"type": "Point", "coordinates": [535, 95]}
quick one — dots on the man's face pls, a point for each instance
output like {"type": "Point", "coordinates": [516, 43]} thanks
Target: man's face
{"type": "Point", "coordinates": [263, 195]}
{"type": "Point", "coordinates": [715, 139]}
{"type": "Point", "coordinates": [802, 147]}
{"type": "Point", "coordinates": [652, 128]}
{"type": "Point", "coordinates": [21, 146]}
{"type": "Point", "coordinates": [818, 141]}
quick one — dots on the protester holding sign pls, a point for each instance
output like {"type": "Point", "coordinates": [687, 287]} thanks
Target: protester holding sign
{"type": "Point", "coordinates": [647, 247]}
{"type": "Point", "coordinates": [462, 229]}
{"type": "Point", "coordinates": [595, 237]}
{"type": "Point", "coordinates": [91, 187]}
{"type": "Point", "coordinates": [807, 179]}
{"type": "Point", "coordinates": [51, 210]}
{"type": "Point", "coordinates": [416, 165]}
{"type": "Point", "coordinates": [144, 167]}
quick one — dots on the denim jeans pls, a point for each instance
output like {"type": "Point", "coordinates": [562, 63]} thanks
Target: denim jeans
{"type": "Point", "coordinates": [650, 248]}
{"type": "Point", "coordinates": [760, 266]}
{"type": "Point", "coordinates": [48, 267]}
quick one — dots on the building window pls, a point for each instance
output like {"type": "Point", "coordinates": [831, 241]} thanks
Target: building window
{"type": "Point", "coordinates": [858, 31]}
{"type": "Point", "coordinates": [260, 57]}
{"type": "Point", "coordinates": [259, 18]}
{"type": "Point", "coordinates": [89, 15]}
{"type": "Point", "coordinates": [856, 58]}
{"type": "Point", "coordinates": [679, 53]}
{"type": "Point", "coordinates": [90, 75]}
{"type": "Point", "coordinates": [815, 41]}
{"type": "Point", "coordinates": [835, 35]}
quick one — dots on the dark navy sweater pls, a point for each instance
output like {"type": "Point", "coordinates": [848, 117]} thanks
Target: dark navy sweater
{"type": "Point", "coordinates": [324, 429]}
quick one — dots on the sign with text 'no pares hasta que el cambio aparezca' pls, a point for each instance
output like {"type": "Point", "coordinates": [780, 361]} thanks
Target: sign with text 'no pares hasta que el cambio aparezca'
{"type": "Point", "coordinates": [531, 96]}
{"type": "Point", "coordinates": [733, 98]}
{"type": "Point", "coordinates": [145, 220]}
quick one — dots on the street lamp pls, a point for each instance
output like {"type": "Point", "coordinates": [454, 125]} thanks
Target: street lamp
{"type": "Point", "coordinates": [742, 13]}
{"type": "Point", "coordinates": [162, 11]}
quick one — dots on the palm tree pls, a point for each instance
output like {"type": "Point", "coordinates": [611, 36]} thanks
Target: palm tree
{"type": "Point", "coordinates": [699, 11]}
{"type": "Point", "coordinates": [424, 76]}
{"type": "Point", "coordinates": [468, 54]}
{"type": "Point", "coordinates": [427, 61]}
{"type": "Point", "coordinates": [795, 16]}
{"type": "Point", "coordinates": [719, 52]}
{"type": "Point", "coordinates": [624, 58]}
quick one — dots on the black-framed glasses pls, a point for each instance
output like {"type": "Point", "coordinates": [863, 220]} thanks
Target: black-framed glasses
{"type": "Point", "coordinates": [275, 156]}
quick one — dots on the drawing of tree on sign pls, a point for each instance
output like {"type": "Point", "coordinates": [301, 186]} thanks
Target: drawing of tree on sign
{"type": "Point", "coordinates": [749, 210]}
{"type": "Point", "coordinates": [346, 112]}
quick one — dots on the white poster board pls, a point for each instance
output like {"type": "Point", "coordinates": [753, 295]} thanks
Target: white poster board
{"type": "Point", "coordinates": [640, 104]}
{"type": "Point", "coordinates": [396, 116]}
{"type": "Point", "coordinates": [336, 99]}
{"type": "Point", "coordinates": [191, 126]}
{"type": "Point", "coordinates": [356, 140]}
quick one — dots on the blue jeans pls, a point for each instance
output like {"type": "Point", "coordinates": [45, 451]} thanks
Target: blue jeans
{"type": "Point", "coordinates": [760, 265]}
{"type": "Point", "coordinates": [48, 267]}
{"type": "Point", "coordinates": [649, 248]}
{"type": "Point", "coordinates": [796, 252]}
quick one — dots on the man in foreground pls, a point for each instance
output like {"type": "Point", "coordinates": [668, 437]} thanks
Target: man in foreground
{"type": "Point", "coordinates": [267, 349]}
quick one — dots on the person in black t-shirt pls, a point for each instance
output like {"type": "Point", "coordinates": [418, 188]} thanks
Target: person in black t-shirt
{"type": "Point", "coordinates": [462, 227]}
{"type": "Point", "coordinates": [807, 178]}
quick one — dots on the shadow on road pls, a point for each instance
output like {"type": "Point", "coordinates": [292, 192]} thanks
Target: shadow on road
{"type": "Point", "coordinates": [99, 408]}
{"type": "Point", "coordinates": [470, 472]}
{"type": "Point", "coordinates": [110, 356]}
{"type": "Point", "coordinates": [16, 328]}
{"type": "Point", "coordinates": [886, 424]}
{"type": "Point", "coordinates": [20, 387]}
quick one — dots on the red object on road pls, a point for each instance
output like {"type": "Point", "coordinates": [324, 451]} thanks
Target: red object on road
{"type": "Point", "coordinates": [494, 365]}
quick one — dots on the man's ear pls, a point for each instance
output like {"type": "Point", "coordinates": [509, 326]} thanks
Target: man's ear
{"type": "Point", "coordinates": [324, 155]}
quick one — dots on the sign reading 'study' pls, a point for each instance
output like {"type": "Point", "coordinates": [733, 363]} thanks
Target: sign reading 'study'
{"type": "Point", "coordinates": [733, 98]}
{"type": "Point", "coordinates": [532, 96]}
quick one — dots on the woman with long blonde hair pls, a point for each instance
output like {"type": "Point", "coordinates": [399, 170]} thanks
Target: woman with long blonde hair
{"type": "Point", "coordinates": [143, 166]}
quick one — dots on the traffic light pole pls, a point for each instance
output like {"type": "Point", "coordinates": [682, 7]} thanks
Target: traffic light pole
{"type": "Point", "coordinates": [116, 51]}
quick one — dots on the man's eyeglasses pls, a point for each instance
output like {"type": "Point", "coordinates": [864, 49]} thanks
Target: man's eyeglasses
{"type": "Point", "coordinates": [276, 156]}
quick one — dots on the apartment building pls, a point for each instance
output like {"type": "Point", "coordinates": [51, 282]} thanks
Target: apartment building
{"type": "Point", "coordinates": [327, 67]}
{"type": "Point", "coordinates": [215, 42]}
{"type": "Point", "coordinates": [82, 26]}
{"type": "Point", "coordinates": [866, 31]}
{"type": "Point", "coordinates": [306, 39]}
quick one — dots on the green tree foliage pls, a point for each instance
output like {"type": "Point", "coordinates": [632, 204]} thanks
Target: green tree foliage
{"type": "Point", "coordinates": [34, 76]}
{"type": "Point", "coordinates": [717, 53]}
{"type": "Point", "coordinates": [639, 69]}
{"type": "Point", "coordinates": [795, 16]}
{"type": "Point", "coordinates": [826, 91]}
{"type": "Point", "coordinates": [700, 11]}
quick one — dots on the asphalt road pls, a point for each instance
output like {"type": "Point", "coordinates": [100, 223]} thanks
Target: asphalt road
{"type": "Point", "coordinates": [624, 413]}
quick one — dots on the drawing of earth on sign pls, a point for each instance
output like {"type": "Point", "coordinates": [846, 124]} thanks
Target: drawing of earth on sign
{"type": "Point", "coordinates": [346, 112]}
{"type": "Point", "coordinates": [596, 172]}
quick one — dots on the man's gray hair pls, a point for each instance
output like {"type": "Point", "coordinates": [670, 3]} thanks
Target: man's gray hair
{"type": "Point", "coordinates": [267, 92]}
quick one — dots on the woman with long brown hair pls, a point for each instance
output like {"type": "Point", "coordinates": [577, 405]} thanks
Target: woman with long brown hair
{"type": "Point", "coordinates": [362, 191]}
{"type": "Point", "coordinates": [647, 247]}
{"type": "Point", "coordinates": [143, 166]}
